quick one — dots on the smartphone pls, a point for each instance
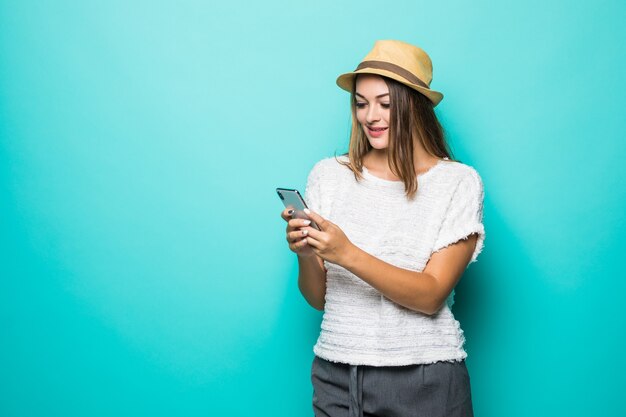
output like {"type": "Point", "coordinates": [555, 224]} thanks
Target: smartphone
{"type": "Point", "coordinates": [293, 199]}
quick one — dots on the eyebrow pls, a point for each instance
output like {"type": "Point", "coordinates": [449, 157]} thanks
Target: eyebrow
{"type": "Point", "coordinates": [379, 96]}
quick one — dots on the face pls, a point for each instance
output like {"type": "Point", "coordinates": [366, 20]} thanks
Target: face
{"type": "Point", "coordinates": [372, 109]}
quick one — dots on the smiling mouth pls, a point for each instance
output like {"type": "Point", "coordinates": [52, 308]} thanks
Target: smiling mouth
{"type": "Point", "coordinates": [376, 129]}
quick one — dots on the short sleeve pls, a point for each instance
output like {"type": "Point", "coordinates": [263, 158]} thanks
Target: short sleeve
{"type": "Point", "coordinates": [312, 195]}
{"type": "Point", "coordinates": [464, 215]}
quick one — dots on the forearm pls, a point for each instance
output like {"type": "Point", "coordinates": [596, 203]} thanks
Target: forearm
{"type": "Point", "coordinates": [312, 281]}
{"type": "Point", "coordinates": [411, 289]}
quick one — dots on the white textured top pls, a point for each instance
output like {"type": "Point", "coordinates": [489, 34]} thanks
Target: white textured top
{"type": "Point", "coordinates": [360, 325]}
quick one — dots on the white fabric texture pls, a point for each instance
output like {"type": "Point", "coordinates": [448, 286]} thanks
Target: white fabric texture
{"type": "Point", "coordinates": [361, 326]}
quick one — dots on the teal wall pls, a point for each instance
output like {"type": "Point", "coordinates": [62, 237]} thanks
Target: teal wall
{"type": "Point", "coordinates": [143, 263]}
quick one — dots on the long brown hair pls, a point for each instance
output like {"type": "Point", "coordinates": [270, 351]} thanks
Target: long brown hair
{"type": "Point", "coordinates": [412, 118]}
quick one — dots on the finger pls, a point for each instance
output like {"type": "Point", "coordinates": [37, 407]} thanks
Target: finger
{"type": "Point", "coordinates": [321, 222]}
{"type": "Point", "coordinates": [313, 232]}
{"type": "Point", "coordinates": [314, 243]}
{"type": "Point", "coordinates": [286, 213]}
{"type": "Point", "coordinates": [299, 222]}
{"type": "Point", "coordinates": [296, 246]}
{"type": "Point", "coordinates": [298, 234]}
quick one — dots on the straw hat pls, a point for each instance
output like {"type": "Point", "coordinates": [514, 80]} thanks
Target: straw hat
{"type": "Point", "coordinates": [400, 61]}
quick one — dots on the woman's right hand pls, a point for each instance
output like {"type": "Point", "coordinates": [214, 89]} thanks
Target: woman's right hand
{"type": "Point", "coordinates": [296, 236]}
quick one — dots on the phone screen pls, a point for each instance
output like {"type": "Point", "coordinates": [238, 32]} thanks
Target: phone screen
{"type": "Point", "coordinates": [292, 198]}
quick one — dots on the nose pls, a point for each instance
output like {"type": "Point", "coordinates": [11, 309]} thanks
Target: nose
{"type": "Point", "coordinates": [372, 114]}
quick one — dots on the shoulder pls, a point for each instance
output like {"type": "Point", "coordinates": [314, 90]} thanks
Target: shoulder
{"type": "Point", "coordinates": [460, 173]}
{"type": "Point", "coordinates": [328, 166]}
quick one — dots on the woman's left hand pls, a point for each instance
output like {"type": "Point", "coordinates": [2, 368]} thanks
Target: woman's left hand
{"type": "Point", "coordinates": [330, 243]}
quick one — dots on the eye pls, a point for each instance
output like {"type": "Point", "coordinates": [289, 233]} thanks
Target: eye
{"type": "Point", "coordinates": [360, 105]}
{"type": "Point", "coordinates": [385, 105]}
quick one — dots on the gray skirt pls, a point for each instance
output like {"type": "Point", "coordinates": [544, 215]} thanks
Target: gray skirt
{"type": "Point", "coordinates": [440, 389]}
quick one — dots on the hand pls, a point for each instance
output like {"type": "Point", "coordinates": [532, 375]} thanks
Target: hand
{"type": "Point", "coordinates": [295, 235]}
{"type": "Point", "coordinates": [331, 243]}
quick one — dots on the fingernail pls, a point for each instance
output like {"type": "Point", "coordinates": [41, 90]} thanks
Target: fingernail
{"type": "Point", "coordinates": [305, 232]}
{"type": "Point", "coordinates": [307, 222]}
{"type": "Point", "coordinates": [307, 211]}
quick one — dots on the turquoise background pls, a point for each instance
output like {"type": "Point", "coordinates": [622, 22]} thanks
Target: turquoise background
{"type": "Point", "coordinates": [143, 263]}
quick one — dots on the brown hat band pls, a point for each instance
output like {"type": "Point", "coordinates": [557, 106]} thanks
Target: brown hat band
{"type": "Point", "coordinates": [396, 69]}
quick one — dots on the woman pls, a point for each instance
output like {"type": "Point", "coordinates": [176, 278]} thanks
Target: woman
{"type": "Point", "coordinates": [400, 221]}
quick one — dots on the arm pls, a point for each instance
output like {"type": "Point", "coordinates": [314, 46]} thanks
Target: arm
{"type": "Point", "coordinates": [421, 291]}
{"type": "Point", "coordinates": [311, 272]}
{"type": "Point", "coordinates": [312, 280]}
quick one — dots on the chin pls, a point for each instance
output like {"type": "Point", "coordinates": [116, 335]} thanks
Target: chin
{"type": "Point", "coordinates": [377, 144]}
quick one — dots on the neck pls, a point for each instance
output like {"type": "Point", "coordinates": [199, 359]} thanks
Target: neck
{"type": "Point", "coordinates": [377, 159]}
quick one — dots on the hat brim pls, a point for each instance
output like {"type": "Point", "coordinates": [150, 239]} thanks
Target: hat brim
{"type": "Point", "coordinates": [344, 81]}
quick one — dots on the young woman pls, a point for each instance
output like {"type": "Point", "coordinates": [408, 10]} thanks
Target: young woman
{"type": "Point", "coordinates": [400, 221]}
